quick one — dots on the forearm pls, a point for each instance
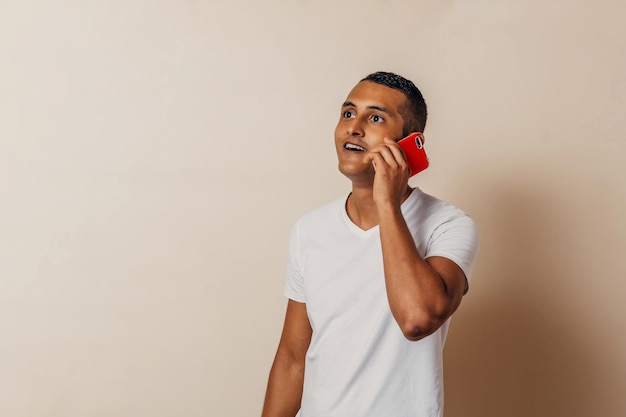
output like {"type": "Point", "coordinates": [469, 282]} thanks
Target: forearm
{"type": "Point", "coordinates": [418, 296]}
{"type": "Point", "coordinates": [284, 388]}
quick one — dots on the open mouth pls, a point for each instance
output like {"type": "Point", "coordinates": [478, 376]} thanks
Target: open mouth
{"type": "Point", "coordinates": [353, 147]}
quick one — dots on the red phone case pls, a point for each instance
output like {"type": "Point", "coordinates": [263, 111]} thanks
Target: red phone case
{"type": "Point", "coordinates": [415, 153]}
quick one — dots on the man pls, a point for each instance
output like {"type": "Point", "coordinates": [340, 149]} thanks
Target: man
{"type": "Point", "coordinates": [373, 277]}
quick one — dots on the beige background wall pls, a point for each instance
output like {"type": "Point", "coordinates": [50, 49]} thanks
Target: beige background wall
{"type": "Point", "coordinates": [154, 155]}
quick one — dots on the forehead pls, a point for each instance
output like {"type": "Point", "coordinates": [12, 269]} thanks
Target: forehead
{"type": "Point", "coordinates": [368, 93]}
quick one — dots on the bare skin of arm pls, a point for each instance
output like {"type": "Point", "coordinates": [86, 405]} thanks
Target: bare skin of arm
{"type": "Point", "coordinates": [422, 293]}
{"type": "Point", "coordinates": [284, 388]}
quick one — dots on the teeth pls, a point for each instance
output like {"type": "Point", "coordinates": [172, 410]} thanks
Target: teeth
{"type": "Point", "coordinates": [352, 147]}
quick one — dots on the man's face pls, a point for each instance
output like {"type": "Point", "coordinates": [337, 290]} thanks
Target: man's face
{"type": "Point", "coordinates": [369, 114]}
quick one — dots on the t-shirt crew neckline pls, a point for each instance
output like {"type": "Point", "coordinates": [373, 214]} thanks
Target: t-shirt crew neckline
{"type": "Point", "coordinates": [356, 230]}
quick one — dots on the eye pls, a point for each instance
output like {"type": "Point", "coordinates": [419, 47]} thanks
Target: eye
{"type": "Point", "coordinates": [348, 114]}
{"type": "Point", "coordinates": [377, 119]}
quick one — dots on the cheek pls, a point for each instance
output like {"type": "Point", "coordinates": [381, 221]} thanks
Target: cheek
{"type": "Point", "coordinates": [339, 132]}
{"type": "Point", "coordinates": [398, 133]}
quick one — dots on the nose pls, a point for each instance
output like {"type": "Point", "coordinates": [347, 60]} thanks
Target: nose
{"type": "Point", "coordinates": [355, 127]}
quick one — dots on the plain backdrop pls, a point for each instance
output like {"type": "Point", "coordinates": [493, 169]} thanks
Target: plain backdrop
{"type": "Point", "coordinates": [154, 155]}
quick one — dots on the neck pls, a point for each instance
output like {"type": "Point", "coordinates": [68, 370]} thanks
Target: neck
{"type": "Point", "coordinates": [361, 207]}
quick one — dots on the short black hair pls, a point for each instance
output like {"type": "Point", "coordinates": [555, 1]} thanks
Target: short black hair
{"type": "Point", "coordinates": [415, 112]}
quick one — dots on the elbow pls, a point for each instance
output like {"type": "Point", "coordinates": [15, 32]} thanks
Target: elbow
{"type": "Point", "coordinates": [414, 331]}
{"type": "Point", "coordinates": [417, 322]}
{"type": "Point", "coordinates": [417, 328]}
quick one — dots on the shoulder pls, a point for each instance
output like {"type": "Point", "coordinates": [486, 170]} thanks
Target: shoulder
{"type": "Point", "coordinates": [431, 218]}
{"type": "Point", "coordinates": [317, 227]}
{"type": "Point", "coordinates": [322, 216]}
{"type": "Point", "coordinates": [428, 207]}
{"type": "Point", "coordinates": [444, 230]}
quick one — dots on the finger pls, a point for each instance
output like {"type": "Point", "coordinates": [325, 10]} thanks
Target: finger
{"type": "Point", "coordinates": [392, 144]}
{"type": "Point", "coordinates": [377, 159]}
{"type": "Point", "coordinates": [371, 157]}
{"type": "Point", "coordinates": [391, 157]}
{"type": "Point", "coordinates": [399, 155]}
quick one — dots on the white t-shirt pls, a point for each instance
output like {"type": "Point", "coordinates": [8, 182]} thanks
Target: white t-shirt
{"type": "Point", "coordinates": [359, 364]}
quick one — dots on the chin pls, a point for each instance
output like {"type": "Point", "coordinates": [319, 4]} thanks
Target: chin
{"type": "Point", "coordinates": [352, 171]}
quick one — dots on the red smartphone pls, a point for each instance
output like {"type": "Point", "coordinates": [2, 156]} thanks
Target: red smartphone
{"type": "Point", "coordinates": [415, 154]}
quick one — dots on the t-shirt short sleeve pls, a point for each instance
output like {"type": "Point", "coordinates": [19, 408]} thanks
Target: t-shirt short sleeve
{"type": "Point", "coordinates": [456, 239]}
{"type": "Point", "coordinates": [294, 286]}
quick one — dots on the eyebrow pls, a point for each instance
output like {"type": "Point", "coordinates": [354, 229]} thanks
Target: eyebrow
{"type": "Point", "coordinates": [372, 107]}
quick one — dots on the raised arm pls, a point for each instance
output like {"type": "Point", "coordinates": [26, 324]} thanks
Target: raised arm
{"type": "Point", "coordinates": [284, 388]}
{"type": "Point", "coordinates": [422, 293]}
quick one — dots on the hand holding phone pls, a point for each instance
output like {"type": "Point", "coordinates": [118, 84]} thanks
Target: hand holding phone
{"type": "Point", "coordinates": [413, 148]}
